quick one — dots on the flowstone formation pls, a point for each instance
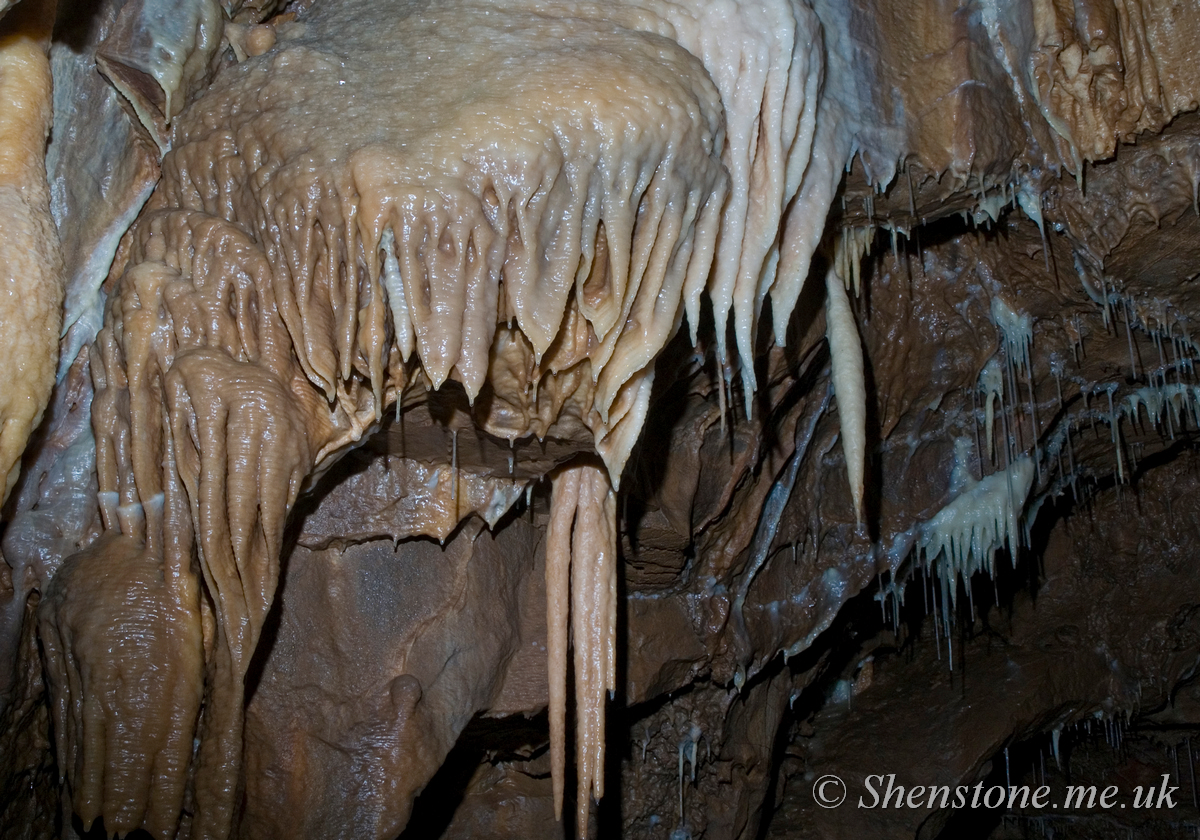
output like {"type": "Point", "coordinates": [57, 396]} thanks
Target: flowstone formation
{"type": "Point", "coordinates": [32, 278]}
{"type": "Point", "coordinates": [472, 413]}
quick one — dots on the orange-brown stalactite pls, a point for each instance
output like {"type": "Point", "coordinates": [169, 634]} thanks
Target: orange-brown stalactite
{"type": "Point", "coordinates": [564, 503]}
{"type": "Point", "coordinates": [191, 406]}
{"type": "Point", "coordinates": [581, 593]}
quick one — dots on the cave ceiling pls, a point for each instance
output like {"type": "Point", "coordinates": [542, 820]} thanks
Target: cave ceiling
{"type": "Point", "coordinates": [552, 418]}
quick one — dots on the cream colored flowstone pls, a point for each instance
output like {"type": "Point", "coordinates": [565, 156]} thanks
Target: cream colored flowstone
{"type": "Point", "coordinates": [581, 570]}
{"type": "Point", "coordinates": [537, 216]}
{"type": "Point", "coordinates": [31, 290]}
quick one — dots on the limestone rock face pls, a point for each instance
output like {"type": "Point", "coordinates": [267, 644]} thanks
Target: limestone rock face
{"type": "Point", "coordinates": [549, 418]}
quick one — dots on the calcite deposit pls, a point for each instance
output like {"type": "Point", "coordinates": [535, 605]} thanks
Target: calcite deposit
{"type": "Point", "coordinates": [548, 418]}
{"type": "Point", "coordinates": [31, 285]}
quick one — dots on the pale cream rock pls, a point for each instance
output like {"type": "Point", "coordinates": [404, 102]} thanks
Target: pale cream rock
{"type": "Point", "coordinates": [31, 289]}
{"type": "Point", "coordinates": [581, 570]}
{"type": "Point", "coordinates": [846, 361]}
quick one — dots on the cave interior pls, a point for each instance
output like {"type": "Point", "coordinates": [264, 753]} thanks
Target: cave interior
{"type": "Point", "coordinates": [568, 418]}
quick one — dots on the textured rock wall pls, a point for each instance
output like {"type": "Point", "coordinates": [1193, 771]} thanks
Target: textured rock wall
{"type": "Point", "coordinates": [383, 492]}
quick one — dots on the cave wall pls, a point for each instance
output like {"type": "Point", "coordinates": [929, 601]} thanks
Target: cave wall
{"type": "Point", "coordinates": [281, 558]}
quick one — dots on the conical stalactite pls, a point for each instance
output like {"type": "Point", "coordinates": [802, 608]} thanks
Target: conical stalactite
{"type": "Point", "coordinates": [846, 364]}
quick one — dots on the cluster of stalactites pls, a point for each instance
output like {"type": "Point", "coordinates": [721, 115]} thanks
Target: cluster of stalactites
{"type": "Point", "coordinates": [559, 253]}
{"type": "Point", "coordinates": [607, 233]}
{"type": "Point", "coordinates": [379, 260]}
{"type": "Point", "coordinates": [581, 571]}
{"type": "Point", "coordinates": [964, 536]}
{"type": "Point", "coordinates": [590, 271]}
{"type": "Point", "coordinates": [767, 60]}
{"type": "Point", "coordinates": [205, 431]}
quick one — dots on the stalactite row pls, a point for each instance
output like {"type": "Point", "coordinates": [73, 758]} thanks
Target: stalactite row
{"type": "Point", "coordinates": [503, 238]}
{"type": "Point", "coordinates": [768, 64]}
{"type": "Point", "coordinates": [783, 152]}
{"type": "Point", "coordinates": [577, 215]}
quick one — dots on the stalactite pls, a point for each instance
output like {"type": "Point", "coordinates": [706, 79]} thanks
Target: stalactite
{"type": "Point", "coordinates": [846, 361]}
{"type": "Point", "coordinates": [581, 570]}
{"type": "Point", "coordinates": [563, 502]}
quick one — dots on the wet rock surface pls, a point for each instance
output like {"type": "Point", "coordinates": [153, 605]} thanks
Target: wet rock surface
{"type": "Point", "coordinates": [262, 578]}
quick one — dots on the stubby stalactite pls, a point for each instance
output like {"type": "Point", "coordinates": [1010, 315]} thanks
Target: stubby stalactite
{"type": "Point", "coordinates": [121, 636]}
